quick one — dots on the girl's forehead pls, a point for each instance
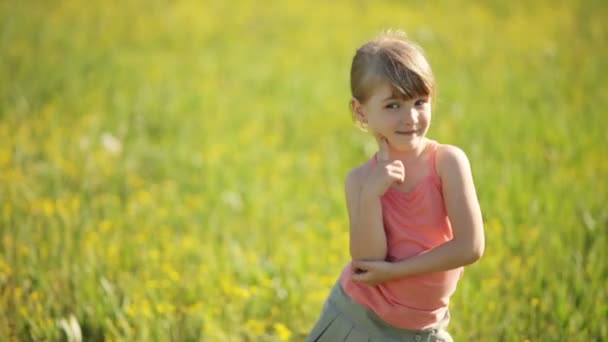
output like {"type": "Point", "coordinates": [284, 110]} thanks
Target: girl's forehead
{"type": "Point", "coordinates": [384, 89]}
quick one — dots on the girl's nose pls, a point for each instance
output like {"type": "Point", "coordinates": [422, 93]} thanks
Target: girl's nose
{"type": "Point", "coordinates": [410, 116]}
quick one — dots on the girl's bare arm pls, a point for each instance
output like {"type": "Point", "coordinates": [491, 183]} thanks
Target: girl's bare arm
{"type": "Point", "coordinates": [367, 236]}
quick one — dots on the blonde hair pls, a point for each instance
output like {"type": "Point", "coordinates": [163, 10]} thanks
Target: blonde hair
{"type": "Point", "coordinates": [391, 58]}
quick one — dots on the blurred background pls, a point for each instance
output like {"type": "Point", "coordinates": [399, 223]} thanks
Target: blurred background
{"type": "Point", "coordinates": [174, 170]}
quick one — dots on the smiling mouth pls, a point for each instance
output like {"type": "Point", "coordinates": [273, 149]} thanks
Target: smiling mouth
{"type": "Point", "coordinates": [405, 132]}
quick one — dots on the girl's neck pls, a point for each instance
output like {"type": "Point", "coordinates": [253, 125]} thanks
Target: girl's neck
{"type": "Point", "coordinates": [410, 155]}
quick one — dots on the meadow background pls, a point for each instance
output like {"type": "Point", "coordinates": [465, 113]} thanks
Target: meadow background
{"type": "Point", "coordinates": [173, 170]}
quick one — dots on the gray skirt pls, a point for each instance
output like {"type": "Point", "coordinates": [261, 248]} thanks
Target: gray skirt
{"type": "Point", "coordinates": [344, 320]}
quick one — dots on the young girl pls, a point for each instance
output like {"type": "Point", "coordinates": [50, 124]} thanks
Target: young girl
{"type": "Point", "coordinates": [414, 216]}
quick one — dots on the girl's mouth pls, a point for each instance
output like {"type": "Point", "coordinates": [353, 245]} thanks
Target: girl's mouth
{"type": "Point", "coordinates": [405, 132]}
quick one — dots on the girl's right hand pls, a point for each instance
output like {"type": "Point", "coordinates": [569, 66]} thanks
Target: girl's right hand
{"type": "Point", "coordinates": [385, 172]}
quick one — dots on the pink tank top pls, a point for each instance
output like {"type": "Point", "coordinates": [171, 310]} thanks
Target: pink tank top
{"type": "Point", "coordinates": [414, 222]}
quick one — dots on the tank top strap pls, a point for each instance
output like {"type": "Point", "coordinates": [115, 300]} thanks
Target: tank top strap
{"type": "Point", "coordinates": [374, 159]}
{"type": "Point", "coordinates": [432, 158]}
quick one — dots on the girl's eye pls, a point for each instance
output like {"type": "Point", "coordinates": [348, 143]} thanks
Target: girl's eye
{"type": "Point", "coordinates": [392, 106]}
{"type": "Point", "coordinates": [421, 102]}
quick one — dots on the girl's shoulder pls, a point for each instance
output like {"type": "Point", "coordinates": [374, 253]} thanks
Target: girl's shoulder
{"type": "Point", "coordinates": [449, 159]}
{"type": "Point", "coordinates": [356, 175]}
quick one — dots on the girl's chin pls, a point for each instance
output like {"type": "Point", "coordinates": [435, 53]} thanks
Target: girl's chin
{"type": "Point", "coordinates": [403, 146]}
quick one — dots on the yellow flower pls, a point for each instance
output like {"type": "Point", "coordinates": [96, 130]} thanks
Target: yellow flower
{"type": "Point", "coordinates": [145, 310]}
{"type": "Point", "coordinates": [534, 302]}
{"type": "Point", "coordinates": [152, 284]}
{"type": "Point", "coordinates": [282, 331]}
{"type": "Point", "coordinates": [135, 181]}
{"type": "Point", "coordinates": [170, 272]}
{"type": "Point", "coordinates": [164, 308]}
{"type": "Point", "coordinates": [35, 296]}
{"type": "Point", "coordinates": [194, 308]}
{"type": "Point", "coordinates": [24, 250]}
{"type": "Point", "coordinates": [153, 254]}
{"type": "Point", "coordinates": [327, 280]}
{"type": "Point", "coordinates": [256, 327]}
{"type": "Point", "coordinates": [105, 226]}
{"type": "Point", "coordinates": [48, 207]}
{"type": "Point", "coordinates": [143, 197]}
{"type": "Point", "coordinates": [5, 271]}
{"type": "Point", "coordinates": [130, 310]}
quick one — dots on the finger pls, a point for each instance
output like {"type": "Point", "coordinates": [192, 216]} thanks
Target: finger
{"type": "Point", "coordinates": [382, 149]}
{"type": "Point", "coordinates": [399, 169]}
{"type": "Point", "coordinates": [395, 167]}
{"type": "Point", "coordinates": [395, 171]}
{"type": "Point", "coordinates": [398, 164]}
{"type": "Point", "coordinates": [360, 277]}
{"type": "Point", "coordinates": [358, 269]}
{"type": "Point", "coordinates": [360, 264]}
{"type": "Point", "coordinates": [396, 177]}
{"type": "Point", "coordinates": [356, 266]}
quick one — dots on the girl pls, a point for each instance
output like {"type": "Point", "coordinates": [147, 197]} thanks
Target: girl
{"type": "Point", "coordinates": [414, 216]}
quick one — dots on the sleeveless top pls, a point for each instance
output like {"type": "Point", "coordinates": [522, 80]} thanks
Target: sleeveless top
{"type": "Point", "coordinates": [414, 222]}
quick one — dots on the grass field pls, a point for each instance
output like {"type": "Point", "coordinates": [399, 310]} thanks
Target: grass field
{"type": "Point", "coordinates": [173, 170]}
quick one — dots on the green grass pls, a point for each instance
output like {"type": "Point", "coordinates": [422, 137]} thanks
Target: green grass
{"type": "Point", "coordinates": [219, 215]}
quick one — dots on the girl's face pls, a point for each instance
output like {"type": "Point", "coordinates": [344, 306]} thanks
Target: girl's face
{"type": "Point", "coordinates": [404, 123]}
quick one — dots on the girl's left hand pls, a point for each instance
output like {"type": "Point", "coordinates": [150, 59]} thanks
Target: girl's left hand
{"type": "Point", "coordinates": [373, 272]}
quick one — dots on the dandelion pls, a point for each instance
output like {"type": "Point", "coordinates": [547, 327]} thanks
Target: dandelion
{"type": "Point", "coordinates": [233, 199]}
{"type": "Point", "coordinates": [111, 144]}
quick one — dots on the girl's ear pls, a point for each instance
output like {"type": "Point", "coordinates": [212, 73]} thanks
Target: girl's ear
{"type": "Point", "coordinates": [358, 111]}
